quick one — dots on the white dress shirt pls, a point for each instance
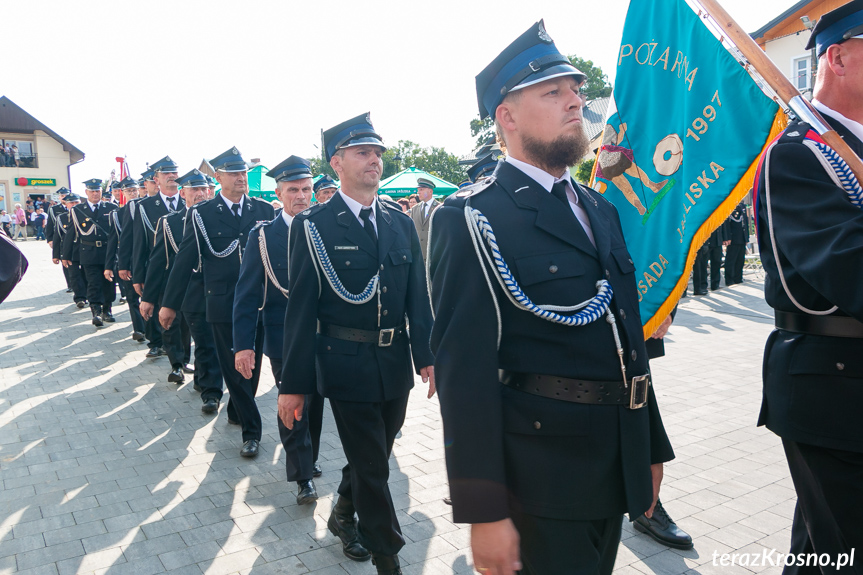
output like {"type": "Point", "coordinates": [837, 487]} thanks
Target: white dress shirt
{"type": "Point", "coordinates": [427, 207]}
{"type": "Point", "coordinates": [231, 205]}
{"type": "Point", "coordinates": [176, 201]}
{"type": "Point", "coordinates": [546, 180]}
{"type": "Point", "coordinates": [287, 217]}
{"type": "Point", "coordinates": [355, 208]}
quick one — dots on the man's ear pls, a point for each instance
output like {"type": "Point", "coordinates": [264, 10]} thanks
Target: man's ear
{"type": "Point", "coordinates": [834, 59]}
{"type": "Point", "coordinates": [336, 163]}
{"type": "Point", "coordinates": [505, 116]}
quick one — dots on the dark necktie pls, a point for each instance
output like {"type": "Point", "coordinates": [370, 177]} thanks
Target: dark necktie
{"type": "Point", "coordinates": [558, 190]}
{"type": "Point", "coordinates": [95, 211]}
{"type": "Point", "coordinates": [366, 214]}
{"type": "Point", "coordinates": [171, 203]}
{"type": "Point", "coordinates": [236, 209]}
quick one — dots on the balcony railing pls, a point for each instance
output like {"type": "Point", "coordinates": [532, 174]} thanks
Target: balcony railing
{"type": "Point", "coordinates": [29, 160]}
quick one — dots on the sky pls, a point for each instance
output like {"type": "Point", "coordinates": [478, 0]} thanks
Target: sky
{"type": "Point", "coordinates": [191, 78]}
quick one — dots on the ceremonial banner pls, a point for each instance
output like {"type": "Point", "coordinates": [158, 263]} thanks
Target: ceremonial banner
{"type": "Point", "coordinates": [681, 144]}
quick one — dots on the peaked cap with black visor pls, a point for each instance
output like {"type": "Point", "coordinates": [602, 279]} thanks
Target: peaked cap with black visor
{"type": "Point", "coordinates": [837, 26]}
{"type": "Point", "coordinates": [291, 169]}
{"type": "Point", "coordinates": [354, 132]}
{"type": "Point", "coordinates": [530, 59]}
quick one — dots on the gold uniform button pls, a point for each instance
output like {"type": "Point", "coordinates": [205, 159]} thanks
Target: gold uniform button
{"type": "Point", "coordinates": [634, 355]}
{"type": "Point", "coordinates": [537, 425]}
{"type": "Point", "coordinates": [384, 290]}
{"type": "Point", "coordinates": [840, 366]}
{"type": "Point", "coordinates": [329, 348]}
{"type": "Point", "coordinates": [623, 314]}
{"type": "Point", "coordinates": [553, 269]}
{"type": "Point", "coordinates": [404, 257]}
{"type": "Point", "coordinates": [382, 266]}
{"type": "Point", "coordinates": [385, 312]}
{"type": "Point", "coordinates": [347, 263]}
{"type": "Point", "coordinates": [607, 275]}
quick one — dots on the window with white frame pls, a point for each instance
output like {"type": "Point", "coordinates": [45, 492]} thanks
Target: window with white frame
{"type": "Point", "coordinates": [802, 73]}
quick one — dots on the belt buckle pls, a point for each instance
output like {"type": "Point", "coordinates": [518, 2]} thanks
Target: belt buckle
{"type": "Point", "coordinates": [638, 393]}
{"type": "Point", "coordinates": [98, 244]}
{"type": "Point", "coordinates": [386, 337]}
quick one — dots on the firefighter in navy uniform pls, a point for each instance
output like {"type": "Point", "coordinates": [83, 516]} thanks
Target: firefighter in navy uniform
{"type": "Point", "coordinates": [737, 225]}
{"type": "Point", "coordinates": [170, 229]}
{"type": "Point", "coordinates": [214, 244]}
{"type": "Point", "coordinates": [324, 189]}
{"type": "Point", "coordinates": [73, 268]}
{"type": "Point", "coordinates": [810, 238]}
{"type": "Point", "coordinates": [347, 334]}
{"type": "Point", "coordinates": [116, 258]}
{"type": "Point", "coordinates": [90, 230]}
{"type": "Point", "coordinates": [525, 386]}
{"type": "Point", "coordinates": [263, 286]}
{"type": "Point", "coordinates": [147, 213]}
{"type": "Point", "coordinates": [51, 216]}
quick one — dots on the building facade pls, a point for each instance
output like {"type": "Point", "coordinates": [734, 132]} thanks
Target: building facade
{"type": "Point", "coordinates": [35, 160]}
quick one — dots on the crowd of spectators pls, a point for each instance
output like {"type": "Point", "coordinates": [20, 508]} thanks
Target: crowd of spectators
{"type": "Point", "coordinates": [27, 221]}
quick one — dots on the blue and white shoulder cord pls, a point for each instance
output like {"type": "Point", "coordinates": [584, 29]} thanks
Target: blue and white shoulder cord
{"type": "Point", "coordinates": [319, 254]}
{"type": "Point", "coordinates": [591, 310]}
{"type": "Point", "coordinates": [268, 268]}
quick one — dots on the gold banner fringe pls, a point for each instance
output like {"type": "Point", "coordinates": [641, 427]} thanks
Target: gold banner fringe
{"type": "Point", "coordinates": [780, 122]}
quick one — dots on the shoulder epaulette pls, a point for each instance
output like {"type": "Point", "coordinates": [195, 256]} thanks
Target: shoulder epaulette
{"type": "Point", "coordinates": [475, 188]}
{"type": "Point", "coordinates": [795, 133]}
{"type": "Point", "coordinates": [312, 210]}
{"type": "Point", "coordinates": [260, 225]}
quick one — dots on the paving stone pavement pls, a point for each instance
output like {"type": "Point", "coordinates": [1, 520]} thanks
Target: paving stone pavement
{"type": "Point", "coordinates": [108, 468]}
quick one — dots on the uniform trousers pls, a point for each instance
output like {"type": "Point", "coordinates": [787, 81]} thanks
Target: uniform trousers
{"type": "Point", "coordinates": [100, 292]}
{"type": "Point", "coordinates": [66, 277]}
{"type": "Point", "coordinates": [302, 443]}
{"type": "Point", "coordinates": [551, 546]}
{"type": "Point", "coordinates": [829, 485]}
{"type": "Point", "coordinates": [78, 281]}
{"type": "Point", "coordinates": [735, 257]}
{"type": "Point", "coordinates": [242, 390]}
{"type": "Point", "coordinates": [152, 329]}
{"type": "Point", "coordinates": [176, 341]}
{"type": "Point", "coordinates": [133, 300]}
{"type": "Point", "coordinates": [208, 374]}
{"type": "Point", "coordinates": [367, 431]}
{"type": "Point", "coordinates": [714, 256]}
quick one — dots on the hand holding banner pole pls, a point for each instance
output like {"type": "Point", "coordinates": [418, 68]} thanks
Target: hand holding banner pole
{"type": "Point", "coordinates": [783, 87]}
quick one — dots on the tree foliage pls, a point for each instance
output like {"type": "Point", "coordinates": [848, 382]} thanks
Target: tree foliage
{"type": "Point", "coordinates": [583, 171]}
{"type": "Point", "coordinates": [595, 86]}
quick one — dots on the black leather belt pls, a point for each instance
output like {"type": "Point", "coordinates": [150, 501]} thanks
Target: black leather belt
{"type": "Point", "coordinates": [381, 337]}
{"type": "Point", "coordinates": [633, 394]}
{"type": "Point", "coordinates": [828, 325]}
{"type": "Point", "coordinates": [97, 243]}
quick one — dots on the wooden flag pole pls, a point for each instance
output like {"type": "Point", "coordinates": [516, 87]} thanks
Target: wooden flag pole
{"type": "Point", "coordinates": [781, 85]}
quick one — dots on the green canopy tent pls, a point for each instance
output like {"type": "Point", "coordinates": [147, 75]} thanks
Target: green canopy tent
{"type": "Point", "coordinates": [405, 183]}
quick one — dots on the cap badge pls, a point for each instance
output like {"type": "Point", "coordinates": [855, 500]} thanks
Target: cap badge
{"type": "Point", "coordinates": [543, 35]}
{"type": "Point", "coordinates": [235, 151]}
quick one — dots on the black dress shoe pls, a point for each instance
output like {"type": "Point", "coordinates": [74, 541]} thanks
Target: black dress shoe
{"type": "Point", "coordinates": [107, 317]}
{"type": "Point", "coordinates": [154, 352]}
{"type": "Point", "coordinates": [663, 529]}
{"type": "Point", "coordinates": [387, 564]}
{"type": "Point", "coordinates": [69, 290]}
{"type": "Point", "coordinates": [97, 320]}
{"type": "Point", "coordinates": [137, 336]}
{"type": "Point", "coordinates": [210, 406]}
{"type": "Point", "coordinates": [233, 421]}
{"type": "Point", "coordinates": [250, 448]}
{"type": "Point", "coordinates": [81, 304]}
{"type": "Point", "coordinates": [176, 376]}
{"type": "Point", "coordinates": [447, 500]}
{"type": "Point", "coordinates": [316, 470]}
{"type": "Point", "coordinates": [187, 368]}
{"type": "Point", "coordinates": [306, 492]}
{"type": "Point", "coordinates": [197, 387]}
{"type": "Point", "coordinates": [342, 524]}
{"type": "Point", "coordinates": [122, 301]}
{"type": "Point", "coordinates": [699, 292]}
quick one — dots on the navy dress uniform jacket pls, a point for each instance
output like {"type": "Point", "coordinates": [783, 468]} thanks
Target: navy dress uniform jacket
{"type": "Point", "coordinates": [163, 254]}
{"type": "Point", "coordinates": [254, 286]}
{"type": "Point", "coordinates": [507, 448]}
{"type": "Point", "coordinates": [349, 370]}
{"type": "Point", "coordinates": [220, 275]}
{"type": "Point", "coordinates": [52, 215]}
{"type": "Point", "coordinates": [92, 248]}
{"type": "Point", "coordinates": [813, 385]}
{"type": "Point", "coordinates": [147, 214]}
{"type": "Point", "coordinates": [60, 230]}
{"type": "Point", "coordinates": [121, 243]}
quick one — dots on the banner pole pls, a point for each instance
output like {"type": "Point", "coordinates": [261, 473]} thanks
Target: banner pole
{"type": "Point", "coordinates": [783, 87]}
